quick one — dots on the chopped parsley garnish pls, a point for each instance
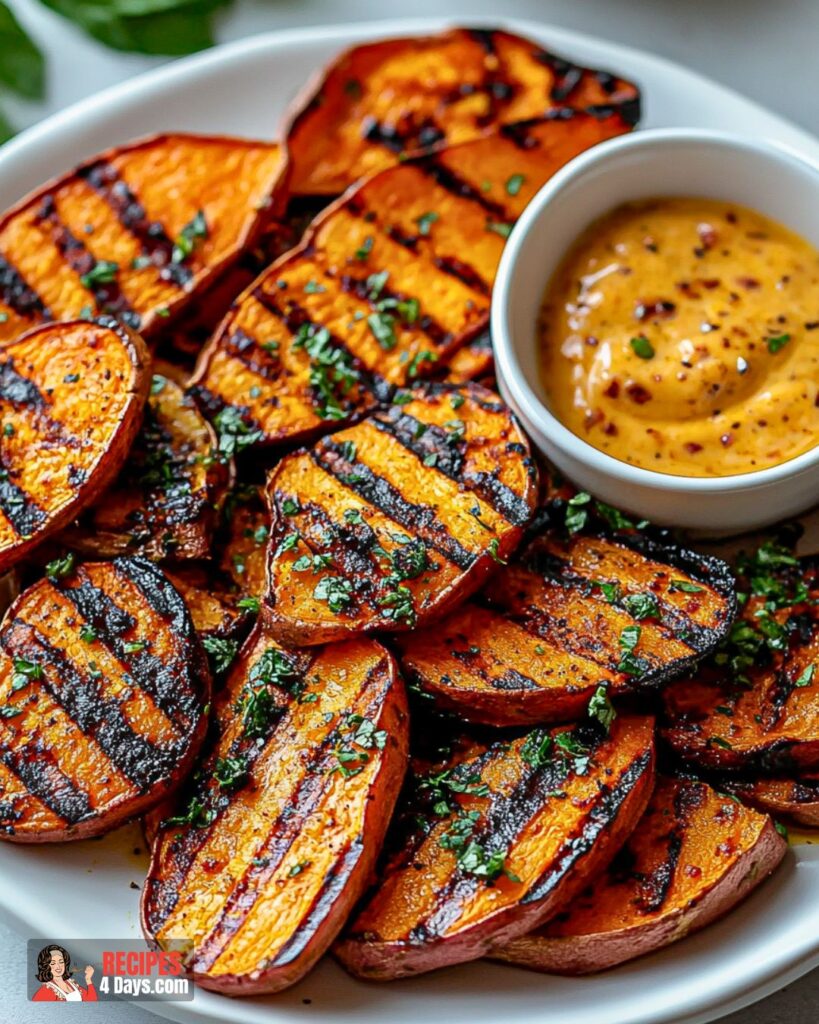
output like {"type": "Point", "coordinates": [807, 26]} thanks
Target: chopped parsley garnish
{"type": "Point", "coordinates": [778, 342]}
{"type": "Point", "coordinates": [336, 591]}
{"type": "Point", "coordinates": [806, 678]}
{"type": "Point", "coordinates": [230, 772]}
{"type": "Point", "coordinates": [684, 587]}
{"type": "Point", "coordinates": [382, 326]}
{"type": "Point", "coordinates": [537, 748]}
{"type": "Point", "coordinates": [249, 604]}
{"type": "Point", "coordinates": [417, 361]}
{"type": "Point", "coordinates": [332, 372]}
{"type": "Point", "coordinates": [642, 347]}
{"type": "Point", "coordinates": [493, 552]}
{"type": "Point", "coordinates": [103, 272]}
{"type": "Point", "coordinates": [425, 222]}
{"type": "Point", "coordinates": [88, 634]}
{"type": "Point", "coordinates": [577, 512]}
{"type": "Point", "coordinates": [601, 707]}
{"type": "Point", "coordinates": [499, 227]}
{"type": "Point", "coordinates": [221, 651]}
{"type": "Point", "coordinates": [134, 646]}
{"type": "Point", "coordinates": [195, 814]}
{"type": "Point", "coordinates": [629, 663]}
{"type": "Point", "coordinates": [365, 249]}
{"type": "Point", "coordinates": [514, 184]}
{"type": "Point", "coordinates": [611, 591]}
{"type": "Point", "coordinates": [189, 237]}
{"type": "Point", "coordinates": [24, 672]}
{"type": "Point", "coordinates": [234, 434]}
{"type": "Point", "coordinates": [61, 567]}
{"type": "Point", "coordinates": [641, 606]}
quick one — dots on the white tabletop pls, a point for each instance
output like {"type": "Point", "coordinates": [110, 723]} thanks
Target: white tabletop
{"type": "Point", "coordinates": [765, 50]}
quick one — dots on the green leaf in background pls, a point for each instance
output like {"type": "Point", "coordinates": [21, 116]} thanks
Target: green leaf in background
{"type": "Point", "coordinates": [166, 27]}
{"type": "Point", "coordinates": [22, 68]}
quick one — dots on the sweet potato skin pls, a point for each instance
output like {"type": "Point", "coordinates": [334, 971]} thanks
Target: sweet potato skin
{"type": "Point", "coordinates": [71, 402]}
{"type": "Point", "coordinates": [386, 285]}
{"type": "Point", "coordinates": [545, 632]}
{"type": "Point", "coordinates": [420, 921]}
{"type": "Point", "coordinates": [103, 236]}
{"type": "Point", "coordinates": [768, 723]}
{"type": "Point", "coordinates": [301, 834]}
{"type": "Point", "coordinates": [103, 684]}
{"type": "Point", "coordinates": [717, 852]}
{"type": "Point", "coordinates": [387, 524]}
{"type": "Point", "coordinates": [380, 101]}
{"type": "Point", "coordinates": [163, 505]}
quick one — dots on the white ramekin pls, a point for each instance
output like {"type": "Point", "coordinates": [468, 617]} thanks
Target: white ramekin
{"type": "Point", "coordinates": [664, 162]}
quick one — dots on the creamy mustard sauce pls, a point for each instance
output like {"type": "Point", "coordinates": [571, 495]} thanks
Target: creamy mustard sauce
{"type": "Point", "coordinates": [682, 335]}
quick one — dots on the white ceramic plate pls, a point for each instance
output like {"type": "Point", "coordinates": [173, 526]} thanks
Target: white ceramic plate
{"type": "Point", "coordinates": [83, 889]}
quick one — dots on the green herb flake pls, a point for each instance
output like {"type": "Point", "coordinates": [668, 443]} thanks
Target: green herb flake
{"type": "Point", "coordinates": [61, 567]}
{"type": "Point", "coordinates": [515, 184]}
{"type": "Point", "coordinates": [425, 222]}
{"type": "Point", "coordinates": [103, 272]}
{"type": "Point", "coordinates": [642, 347]}
{"type": "Point", "coordinates": [777, 342]}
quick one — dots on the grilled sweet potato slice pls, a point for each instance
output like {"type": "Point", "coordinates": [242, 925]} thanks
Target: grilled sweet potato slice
{"type": "Point", "coordinates": [379, 101]}
{"type": "Point", "coordinates": [692, 857]}
{"type": "Point", "coordinates": [134, 232]}
{"type": "Point", "coordinates": [572, 612]}
{"type": "Point", "coordinates": [71, 398]}
{"type": "Point", "coordinates": [475, 361]}
{"type": "Point", "coordinates": [211, 601]}
{"type": "Point", "coordinates": [389, 523]}
{"type": "Point", "coordinates": [163, 504]}
{"type": "Point", "coordinates": [389, 281]}
{"type": "Point", "coordinates": [256, 875]}
{"type": "Point", "coordinates": [794, 799]}
{"type": "Point", "coordinates": [526, 823]}
{"type": "Point", "coordinates": [243, 556]}
{"type": "Point", "coordinates": [103, 685]}
{"type": "Point", "coordinates": [755, 708]}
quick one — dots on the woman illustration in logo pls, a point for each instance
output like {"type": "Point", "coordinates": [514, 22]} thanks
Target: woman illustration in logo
{"type": "Point", "coordinates": [54, 971]}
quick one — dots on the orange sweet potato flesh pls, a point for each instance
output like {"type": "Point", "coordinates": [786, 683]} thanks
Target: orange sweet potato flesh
{"type": "Point", "coordinates": [163, 505]}
{"type": "Point", "coordinates": [555, 818]}
{"type": "Point", "coordinates": [692, 857]}
{"type": "Point", "coordinates": [386, 525]}
{"type": "Point", "coordinates": [767, 721]}
{"type": "Point", "coordinates": [797, 800]}
{"type": "Point", "coordinates": [546, 631]}
{"type": "Point", "coordinates": [103, 688]}
{"type": "Point", "coordinates": [475, 361]}
{"type": "Point", "coordinates": [211, 600]}
{"type": "Point", "coordinates": [387, 284]}
{"type": "Point", "coordinates": [71, 400]}
{"type": "Point", "coordinates": [106, 237]}
{"type": "Point", "coordinates": [293, 802]}
{"type": "Point", "coordinates": [243, 553]}
{"type": "Point", "coordinates": [379, 101]}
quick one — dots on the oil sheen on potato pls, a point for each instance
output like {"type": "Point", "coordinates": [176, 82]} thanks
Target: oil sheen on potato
{"type": "Point", "coordinates": [682, 335]}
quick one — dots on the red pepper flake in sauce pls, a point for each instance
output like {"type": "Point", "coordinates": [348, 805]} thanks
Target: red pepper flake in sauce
{"type": "Point", "coordinates": [655, 309]}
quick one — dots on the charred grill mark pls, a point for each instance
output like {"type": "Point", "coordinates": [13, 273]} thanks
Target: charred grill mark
{"type": "Point", "coordinates": [36, 768]}
{"type": "Point", "coordinates": [331, 888]}
{"type": "Point", "coordinates": [408, 134]}
{"type": "Point", "coordinates": [654, 887]}
{"type": "Point", "coordinates": [24, 514]}
{"type": "Point", "coordinates": [154, 242]}
{"type": "Point", "coordinates": [283, 832]}
{"type": "Point", "coordinates": [18, 295]}
{"type": "Point", "coordinates": [505, 819]}
{"type": "Point", "coordinates": [629, 109]}
{"type": "Point", "coordinates": [513, 680]}
{"type": "Point", "coordinates": [295, 317]}
{"type": "Point", "coordinates": [451, 182]}
{"type": "Point", "coordinates": [423, 520]}
{"type": "Point", "coordinates": [251, 354]}
{"type": "Point", "coordinates": [17, 389]}
{"type": "Point", "coordinates": [603, 813]}
{"type": "Point", "coordinates": [463, 272]}
{"type": "Point", "coordinates": [168, 685]}
{"type": "Point", "coordinates": [359, 287]}
{"type": "Point", "coordinates": [99, 718]}
{"type": "Point", "coordinates": [426, 441]}
{"type": "Point", "coordinates": [107, 295]}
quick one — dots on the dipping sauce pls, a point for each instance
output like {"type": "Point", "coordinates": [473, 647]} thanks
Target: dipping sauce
{"type": "Point", "coordinates": [682, 335]}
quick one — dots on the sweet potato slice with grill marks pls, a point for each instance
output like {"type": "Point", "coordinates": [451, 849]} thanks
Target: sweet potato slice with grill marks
{"type": "Point", "coordinates": [243, 554]}
{"type": "Point", "coordinates": [765, 718]}
{"type": "Point", "coordinates": [389, 523]}
{"type": "Point", "coordinates": [794, 799]}
{"type": "Point", "coordinates": [134, 232]}
{"type": "Point", "coordinates": [103, 685]}
{"type": "Point", "coordinates": [568, 614]}
{"type": "Point", "coordinates": [386, 285]}
{"type": "Point", "coordinates": [475, 361]}
{"type": "Point", "coordinates": [379, 101]}
{"type": "Point", "coordinates": [163, 505]}
{"type": "Point", "coordinates": [212, 602]}
{"type": "Point", "coordinates": [536, 819]}
{"type": "Point", "coordinates": [281, 831]}
{"type": "Point", "coordinates": [692, 857]}
{"type": "Point", "coordinates": [71, 399]}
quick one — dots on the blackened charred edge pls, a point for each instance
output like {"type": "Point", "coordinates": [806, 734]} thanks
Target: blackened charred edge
{"type": "Point", "coordinates": [99, 718]}
{"type": "Point", "coordinates": [154, 242]}
{"type": "Point", "coordinates": [18, 295]}
{"type": "Point", "coordinates": [17, 389]}
{"type": "Point", "coordinates": [24, 514]}
{"type": "Point", "coordinates": [629, 109]}
{"type": "Point", "coordinates": [332, 887]}
{"type": "Point", "coordinates": [423, 520]}
{"type": "Point", "coordinates": [107, 295]}
{"type": "Point", "coordinates": [426, 440]}
{"type": "Point", "coordinates": [295, 317]}
{"type": "Point", "coordinates": [35, 767]}
{"type": "Point", "coordinates": [603, 816]}
{"type": "Point", "coordinates": [283, 832]}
